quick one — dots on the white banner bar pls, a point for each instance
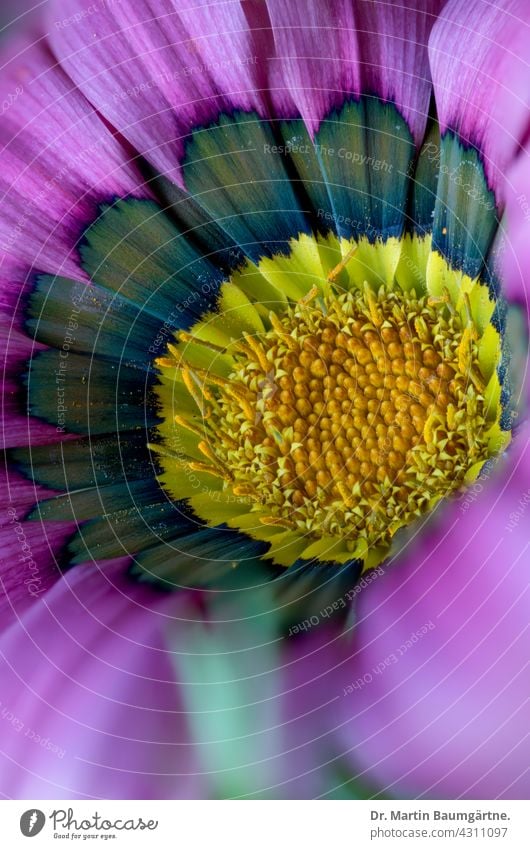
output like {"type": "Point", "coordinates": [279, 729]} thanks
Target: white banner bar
{"type": "Point", "coordinates": [266, 824]}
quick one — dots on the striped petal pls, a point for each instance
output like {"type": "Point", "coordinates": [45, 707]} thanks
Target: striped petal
{"type": "Point", "coordinates": [480, 53]}
{"type": "Point", "coordinates": [358, 75]}
{"type": "Point", "coordinates": [186, 85]}
{"type": "Point", "coordinates": [159, 68]}
{"type": "Point", "coordinates": [479, 61]}
{"type": "Point", "coordinates": [89, 703]}
{"type": "Point", "coordinates": [202, 114]}
{"type": "Point", "coordinates": [29, 559]}
{"type": "Point", "coordinates": [515, 243]}
{"type": "Point", "coordinates": [59, 161]}
{"type": "Point", "coordinates": [329, 53]}
{"type": "Point", "coordinates": [16, 427]}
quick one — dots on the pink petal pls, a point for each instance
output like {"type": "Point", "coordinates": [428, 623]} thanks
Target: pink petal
{"type": "Point", "coordinates": [58, 162]}
{"type": "Point", "coordinates": [332, 51]}
{"type": "Point", "coordinates": [29, 550]}
{"type": "Point", "coordinates": [16, 350]}
{"type": "Point", "coordinates": [480, 53]}
{"type": "Point", "coordinates": [158, 69]}
{"type": "Point", "coordinates": [89, 702]}
{"type": "Point", "coordinates": [516, 241]}
{"type": "Point", "coordinates": [16, 426]}
{"type": "Point", "coordinates": [444, 715]}
{"type": "Point", "coordinates": [28, 564]}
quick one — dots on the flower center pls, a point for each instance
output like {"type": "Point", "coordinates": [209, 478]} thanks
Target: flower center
{"type": "Point", "coordinates": [331, 421]}
{"type": "Point", "coordinates": [351, 416]}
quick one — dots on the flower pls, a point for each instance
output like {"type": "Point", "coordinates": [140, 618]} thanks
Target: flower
{"type": "Point", "coordinates": [253, 278]}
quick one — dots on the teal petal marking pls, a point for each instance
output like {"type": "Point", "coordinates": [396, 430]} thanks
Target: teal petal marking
{"type": "Point", "coordinates": [465, 217]}
{"type": "Point", "coordinates": [298, 148]}
{"type": "Point", "coordinates": [91, 320]}
{"type": "Point", "coordinates": [84, 504]}
{"type": "Point", "coordinates": [135, 249]}
{"type": "Point", "coordinates": [193, 220]}
{"type": "Point", "coordinates": [79, 394]}
{"type": "Point", "coordinates": [232, 168]}
{"type": "Point", "coordinates": [95, 461]}
{"type": "Point", "coordinates": [203, 557]}
{"type": "Point", "coordinates": [420, 217]}
{"type": "Point", "coordinates": [128, 531]}
{"type": "Point", "coordinates": [366, 153]}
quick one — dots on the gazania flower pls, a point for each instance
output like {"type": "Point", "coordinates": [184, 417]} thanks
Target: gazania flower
{"type": "Point", "coordinates": [262, 371]}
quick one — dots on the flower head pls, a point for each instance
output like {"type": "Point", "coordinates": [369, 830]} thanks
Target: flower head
{"type": "Point", "coordinates": [259, 332]}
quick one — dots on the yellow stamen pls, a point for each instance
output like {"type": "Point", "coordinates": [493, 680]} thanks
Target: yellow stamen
{"type": "Point", "coordinates": [258, 351]}
{"type": "Point", "coordinates": [277, 521]}
{"type": "Point", "coordinates": [216, 472]}
{"type": "Point", "coordinates": [191, 386]}
{"type": "Point", "coordinates": [209, 453]}
{"type": "Point", "coordinates": [180, 420]}
{"type": "Point", "coordinates": [373, 305]}
{"type": "Point", "coordinates": [186, 338]}
{"type": "Point", "coordinates": [309, 296]}
{"type": "Point", "coordinates": [334, 273]}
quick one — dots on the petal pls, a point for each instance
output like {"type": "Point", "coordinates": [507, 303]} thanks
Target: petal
{"type": "Point", "coordinates": [332, 52]}
{"type": "Point", "coordinates": [111, 690]}
{"type": "Point", "coordinates": [151, 279]}
{"type": "Point", "coordinates": [184, 81]}
{"type": "Point", "coordinates": [358, 74]}
{"type": "Point", "coordinates": [158, 69]}
{"type": "Point", "coordinates": [436, 705]}
{"type": "Point", "coordinates": [516, 244]}
{"type": "Point", "coordinates": [17, 428]}
{"type": "Point", "coordinates": [479, 55]}
{"type": "Point", "coordinates": [479, 59]}
{"type": "Point", "coordinates": [135, 249]}
{"type": "Point", "coordinates": [93, 396]}
{"type": "Point", "coordinates": [58, 160]}
{"type": "Point", "coordinates": [29, 551]}
{"type": "Point", "coordinates": [256, 189]}
{"type": "Point", "coordinates": [89, 696]}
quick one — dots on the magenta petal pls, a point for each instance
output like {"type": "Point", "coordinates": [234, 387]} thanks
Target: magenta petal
{"type": "Point", "coordinates": [331, 51]}
{"type": "Point", "coordinates": [16, 427]}
{"type": "Point", "coordinates": [516, 244]}
{"type": "Point", "coordinates": [479, 55]}
{"type": "Point", "coordinates": [28, 565]}
{"type": "Point", "coordinates": [90, 707]}
{"type": "Point", "coordinates": [14, 424]}
{"type": "Point", "coordinates": [439, 702]}
{"type": "Point", "coordinates": [58, 162]}
{"type": "Point", "coordinates": [323, 37]}
{"type": "Point", "coordinates": [158, 69]}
